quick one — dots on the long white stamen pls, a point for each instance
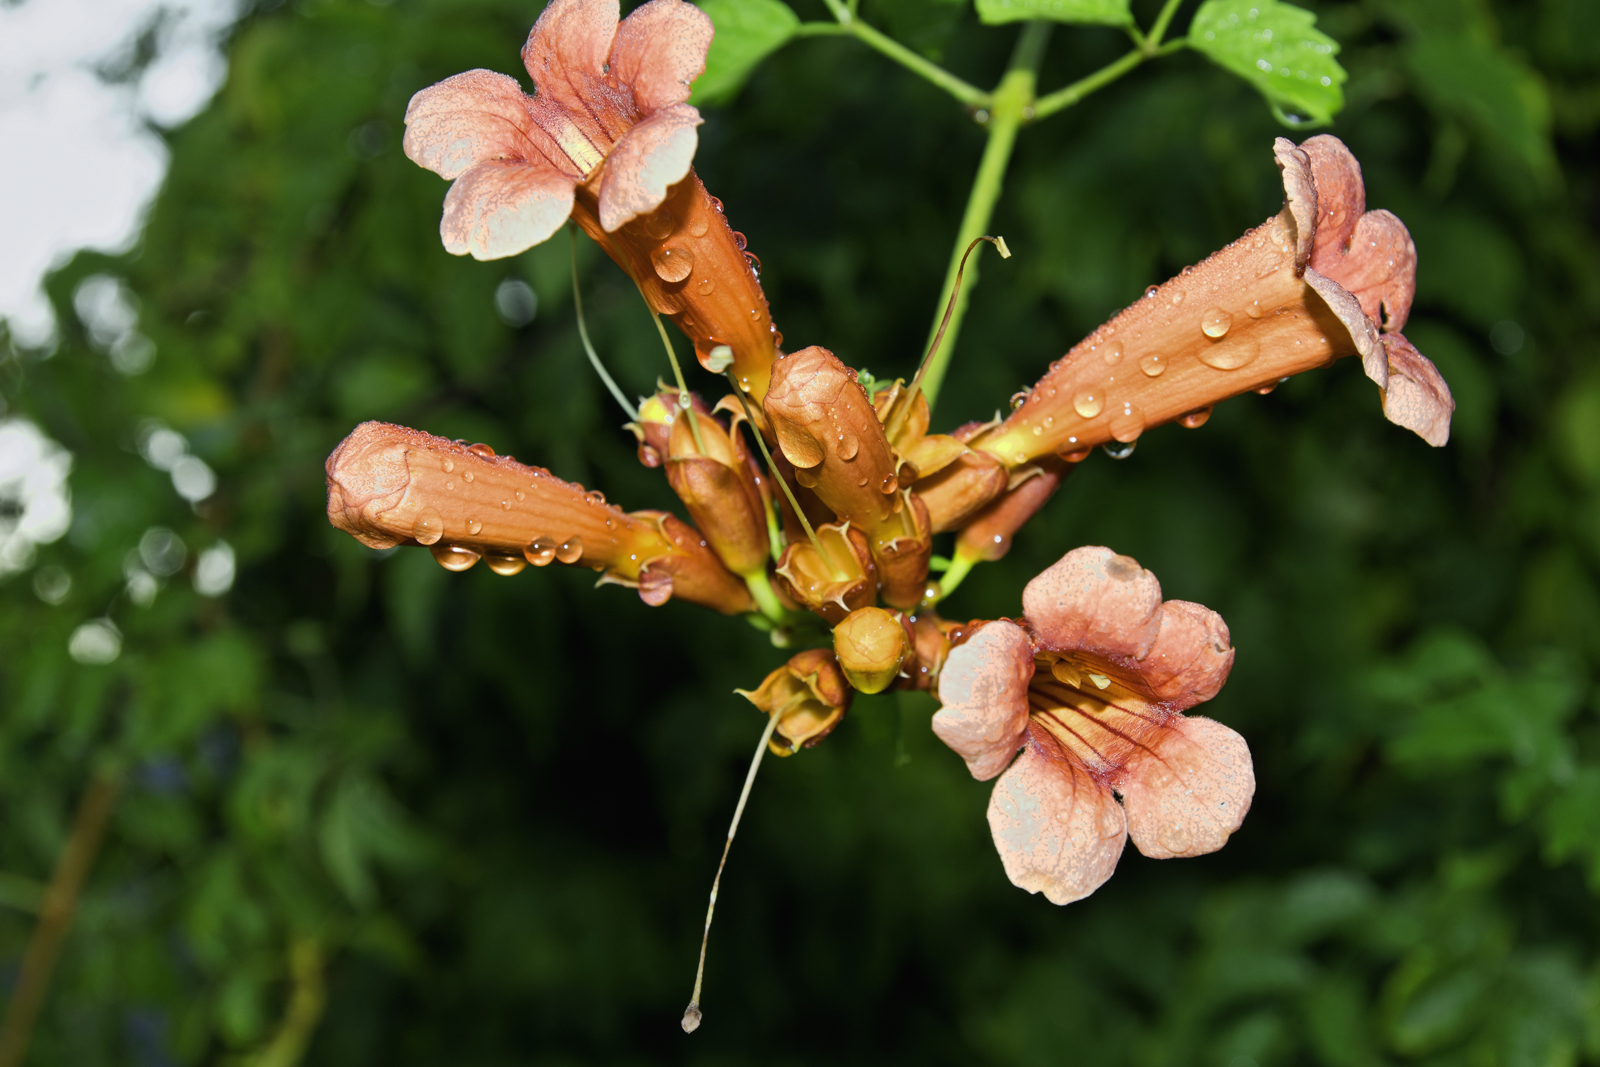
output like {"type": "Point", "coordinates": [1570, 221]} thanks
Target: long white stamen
{"type": "Point", "coordinates": [691, 1014]}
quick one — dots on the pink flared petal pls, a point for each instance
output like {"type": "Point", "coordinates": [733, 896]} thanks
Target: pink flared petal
{"type": "Point", "coordinates": [1058, 829]}
{"type": "Point", "coordinates": [984, 689]}
{"type": "Point", "coordinates": [498, 209]}
{"type": "Point", "coordinates": [1363, 330]}
{"type": "Point", "coordinates": [568, 47]}
{"type": "Point", "coordinates": [1189, 790]}
{"type": "Point", "coordinates": [653, 155]}
{"type": "Point", "coordinates": [659, 50]}
{"type": "Point", "coordinates": [1299, 196]}
{"type": "Point", "coordinates": [464, 120]}
{"type": "Point", "coordinates": [1370, 253]}
{"type": "Point", "coordinates": [1093, 600]}
{"type": "Point", "coordinates": [1191, 656]}
{"type": "Point", "coordinates": [1417, 396]}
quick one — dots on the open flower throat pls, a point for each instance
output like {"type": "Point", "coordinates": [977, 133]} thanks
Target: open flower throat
{"type": "Point", "coordinates": [1081, 706]}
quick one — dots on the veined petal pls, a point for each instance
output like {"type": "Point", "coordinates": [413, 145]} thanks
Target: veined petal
{"type": "Point", "coordinates": [1416, 396]}
{"type": "Point", "coordinates": [1188, 790]}
{"type": "Point", "coordinates": [498, 208]}
{"type": "Point", "coordinates": [466, 119]}
{"type": "Point", "coordinates": [659, 50]}
{"type": "Point", "coordinates": [570, 42]}
{"type": "Point", "coordinates": [1057, 828]}
{"type": "Point", "coordinates": [984, 690]}
{"type": "Point", "coordinates": [1191, 656]}
{"type": "Point", "coordinates": [655, 154]}
{"type": "Point", "coordinates": [1093, 600]}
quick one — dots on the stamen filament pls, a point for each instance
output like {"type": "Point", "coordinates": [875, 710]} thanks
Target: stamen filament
{"type": "Point", "coordinates": [772, 468]}
{"type": "Point", "coordinates": [583, 334]}
{"type": "Point", "coordinates": [683, 390]}
{"type": "Point", "coordinates": [691, 1014]}
{"type": "Point", "coordinates": [950, 307]}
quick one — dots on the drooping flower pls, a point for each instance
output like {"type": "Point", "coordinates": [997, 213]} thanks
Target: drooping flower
{"type": "Point", "coordinates": [607, 139]}
{"type": "Point", "coordinates": [389, 485]}
{"type": "Point", "coordinates": [1272, 304]}
{"type": "Point", "coordinates": [1091, 684]}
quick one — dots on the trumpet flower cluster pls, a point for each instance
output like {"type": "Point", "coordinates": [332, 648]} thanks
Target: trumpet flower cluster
{"type": "Point", "coordinates": [813, 503]}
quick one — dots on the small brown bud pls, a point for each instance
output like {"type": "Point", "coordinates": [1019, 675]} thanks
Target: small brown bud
{"type": "Point", "coordinates": [871, 645]}
{"type": "Point", "coordinates": [720, 491]}
{"type": "Point", "coordinates": [988, 536]}
{"type": "Point", "coordinates": [809, 694]}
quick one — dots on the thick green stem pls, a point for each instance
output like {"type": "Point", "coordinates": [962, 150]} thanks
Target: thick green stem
{"type": "Point", "coordinates": [1009, 107]}
{"type": "Point", "coordinates": [766, 600]}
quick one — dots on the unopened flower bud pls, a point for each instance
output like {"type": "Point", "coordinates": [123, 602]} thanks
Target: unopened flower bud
{"type": "Point", "coordinates": [719, 489]}
{"type": "Point", "coordinates": [988, 536]}
{"type": "Point", "coordinates": [656, 415]}
{"type": "Point", "coordinates": [871, 644]}
{"type": "Point", "coordinates": [832, 577]}
{"type": "Point", "coordinates": [809, 695]}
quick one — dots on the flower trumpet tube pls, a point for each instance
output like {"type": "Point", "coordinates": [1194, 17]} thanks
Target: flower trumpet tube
{"type": "Point", "coordinates": [608, 139]}
{"type": "Point", "coordinates": [827, 427]}
{"type": "Point", "coordinates": [693, 268]}
{"type": "Point", "coordinates": [808, 695]}
{"type": "Point", "coordinates": [719, 489]}
{"type": "Point", "coordinates": [1249, 316]}
{"type": "Point", "coordinates": [389, 485]}
{"type": "Point", "coordinates": [988, 535]}
{"type": "Point", "coordinates": [1091, 685]}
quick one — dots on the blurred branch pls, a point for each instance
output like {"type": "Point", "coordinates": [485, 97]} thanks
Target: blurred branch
{"type": "Point", "coordinates": [55, 916]}
{"type": "Point", "coordinates": [307, 1000]}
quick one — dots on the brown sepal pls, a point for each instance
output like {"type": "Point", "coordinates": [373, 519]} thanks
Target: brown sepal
{"type": "Point", "coordinates": [833, 585]}
{"type": "Point", "coordinates": [809, 694]}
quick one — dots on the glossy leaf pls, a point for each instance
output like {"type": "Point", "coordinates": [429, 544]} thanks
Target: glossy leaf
{"type": "Point", "coordinates": [1277, 48]}
{"type": "Point", "coordinates": [748, 31]}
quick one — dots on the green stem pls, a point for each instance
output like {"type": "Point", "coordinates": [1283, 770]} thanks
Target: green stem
{"type": "Point", "coordinates": [766, 600]}
{"type": "Point", "coordinates": [1064, 98]}
{"type": "Point", "coordinates": [1009, 107]}
{"type": "Point", "coordinates": [960, 566]}
{"type": "Point", "coordinates": [684, 401]}
{"type": "Point", "coordinates": [1163, 20]}
{"type": "Point", "coordinates": [583, 333]}
{"type": "Point", "coordinates": [849, 24]}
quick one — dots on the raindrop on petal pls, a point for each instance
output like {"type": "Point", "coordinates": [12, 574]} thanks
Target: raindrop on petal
{"type": "Point", "coordinates": [1153, 365]}
{"type": "Point", "coordinates": [505, 565]}
{"type": "Point", "coordinates": [672, 264]}
{"type": "Point", "coordinates": [1195, 419]}
{"type": "Point", "coordinates": [428, 528]}
{"type": "Point", "coordinates": [1215, 322]}
{"type": "Point", "coordinates": [453, 557]}
{"type": "Point", "coordinates": [570, 550]}
{"type": "Point", "coordinates": [540, 551]}
{"type": "Point", "coordinates": [1088, 404]}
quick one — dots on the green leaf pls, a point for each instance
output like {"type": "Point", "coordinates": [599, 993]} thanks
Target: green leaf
{"type": "Point", "coordinates": [1276, 48]}
{"type": "Point", "coordinates": [748, 31]}
{"type": "Point", "coordinates": [1099, 12]}
{"type": "Point", "coordinates": [1490, 91]}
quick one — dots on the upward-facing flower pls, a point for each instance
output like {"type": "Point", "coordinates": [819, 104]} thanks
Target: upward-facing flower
{"type": "Point", "coordinates": [606, 94]}
{"type": "Point", "coordinates": [1092, 687]}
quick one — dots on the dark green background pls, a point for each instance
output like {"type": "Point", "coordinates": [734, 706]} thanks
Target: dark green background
{"type": "Point", "coordinates": [496, 804]}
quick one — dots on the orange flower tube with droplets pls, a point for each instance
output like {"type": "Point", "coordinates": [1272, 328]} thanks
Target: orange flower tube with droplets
{"type": "Point", "coordinates": [389, 485]}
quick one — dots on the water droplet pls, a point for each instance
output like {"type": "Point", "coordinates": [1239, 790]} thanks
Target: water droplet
{"type": "Point", "coordinates": [716, 204]}
{"type": "Point", "coordinates": [1263, 390]}
{"type": "Point", "coordinates": [1088, 404]}
{"type": "Point", "coordinates": [1150, 293]}
{"type": "Point", "coordinates": [1253, 309]}
{"type": "Point", "coordinates": [1153, 365]}
{"type": "Point", "coordinates": [473, 527]}
{"type": "Point", "coordinates": [1127, 422]}
{"type": "Point", "coordinates": [1195, 419]}
{"type": "Point", "coordinates": [449, 485]}
{"type": "Point", "coordinates": [1230, 356]}
{"type": "Point", "coordinates": [428, 528]}
{"type": "Point", "coordinates": [672, 264]}
{"type": "Point", "coordinates": [755, 263]}
{"type": "Point", "coordinates": [659, 224]}
{"type": "Point", "coordinates": [1215, 322]}
{"type": "Point", "coordinates": [453, 557]}
{"type": "Point", "coordinates": [505, 565]}
{"type": "Point", "coordinates": [889, 484]}
{"type": "Point", "coordinates": [540, 551]}
{"type": "Point", "coordinates": [505, 505]}
{"type": "Point", "coordinates": [705, 286]}
{"type": "Point", "coordinates": [467, 476]}
{"type": "Point", "coordinates": [805, 477]}
{"type": "Point", "coordinates": [848, 447]}
{"type": "Point", "coordinates": [1049, 420]}
{"type": "Point", "coordinates": [1076, 456]}
{"type": "Point", "coordinates": [741, 240]}
{"type": "Point", "coordinates": [1112, 353]}
{"type": "Point", "coordinates": [1019, 398]}
{"type": "Point", "coordinates": [1038, 430]}
{"type": "Point", "coordinates": [698, 226]}
{"type": "Point", "coordinates": [1118, 449]}
{"type": "Point", "coordinates": [520, 496]}
{"type": "Point", "coordinates": [448, 465]}
{"type": "Point", "coordinates": [481, 449]}
{"type": "Point", "coordinates": [1177, 297]}
{"type": "Point", "coordinates": [570, 550]}
{"type": "Point", "coordinates": [595, 496]}
{"type": "Point", "coordinates": [1022, 457]}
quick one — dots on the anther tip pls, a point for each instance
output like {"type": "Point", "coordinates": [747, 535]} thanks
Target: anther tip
{"type": "Point", "coordinates": [1000, 243]}
{"type": "Point", "coordinates": [691, 1017]}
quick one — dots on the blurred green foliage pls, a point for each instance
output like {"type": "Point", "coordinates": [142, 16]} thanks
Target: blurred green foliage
{"type": "Point", "coordinates": [423, 818]}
